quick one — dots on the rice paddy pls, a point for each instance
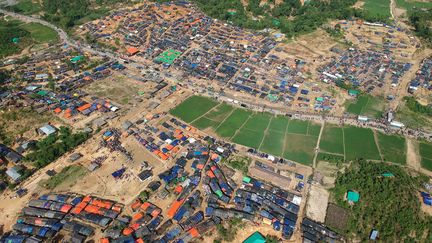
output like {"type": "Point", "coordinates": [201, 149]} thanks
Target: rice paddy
{"type": "Point", "coordinates": [292, 139]}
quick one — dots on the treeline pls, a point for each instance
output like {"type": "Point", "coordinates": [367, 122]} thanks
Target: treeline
{"type": "Point", "coordinates": [290, 16]}
{"type": "Point", "coordinates": [389, 204]}
{"type": "Point", "coordinates": [52, 147]}
{"type": "Point", "coordinates": [65, 12]}
{"type": "Point", "coordinates": [422, 22]}
{"type": "Point", "coordinates": [415, 106]}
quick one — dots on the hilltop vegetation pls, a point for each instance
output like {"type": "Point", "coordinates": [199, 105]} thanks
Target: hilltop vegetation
{"type": "Point", "coordinates": [388, 204]}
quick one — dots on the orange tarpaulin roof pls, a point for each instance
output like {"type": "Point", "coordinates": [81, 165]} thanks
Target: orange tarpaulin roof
{"type": "Point", "coordinates": [57, 110]}
{"type": "Point", "coordinates": [84, 107]}
{"type": "Point", "coordinates": [174, 207]}
{"type": "Point", "coordinates": [194, 232]}
{"type": "Point", "coordinates": [132, 50]}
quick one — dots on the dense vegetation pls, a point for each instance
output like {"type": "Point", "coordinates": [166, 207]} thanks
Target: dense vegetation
{"type": "Point", "coordinates": [228, 230]}
{"type": "Point", "coordinates": [415, 106]}
{"type": "Point", "coordinates": [55, 145]}
{"type": "Point", "coordinates": [421, 20]}
{"type": "Point", "coordinates": [387, 204]}
{"type": "Point", "coordinates": [12, 38]}
{"type": "Point", "coordinates": [239, 163]}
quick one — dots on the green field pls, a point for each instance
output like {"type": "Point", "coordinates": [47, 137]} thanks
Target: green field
{"type": "Point", "coordinates": [228, 128]}
{"type": "Point", "coordinates": [26, 7]}
{"type": "Point", "coordinates": [392, 147]}
{"type": "Point", "coordinates": [377, 8]}
{"type": "Point", "coordinates": [367, 105]}
{"type": "Point", "coordinates": [193, 107]}
{"type": "Point", "coordinates": [40, 33]}
{"type": "Point", "coordinates": [293, 139]}
{"type": "Point", "coordinates": [332, 140]}
{"type": "Point", "coordinates": [410, 4]}
{"type": "Point", "coordinates": [426, 155]}
{"type": "Point", "coordinates": [360, 143]}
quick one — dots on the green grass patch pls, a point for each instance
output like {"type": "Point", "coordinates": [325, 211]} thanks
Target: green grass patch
{"type": "Point", "coordinates": [239, 163]}
{"type": "Point", "coordinates": [410, 4]}
{"type": "Point", "coordinates": [300, 148]}
{"type": "Point", "coordinates": [333, 158]}
{"type": "Point", "coordinates": [273, 143]}
{"type": "Point", "coordinates": [67, 176]}
{"type": "Point", "coordinates": [249, 138]}
{"type": "Point", "coordinates": [298, 126]}
{"type": "Point", "coordinates": [426, 163]}
{"type": "Point", "coordinates": [228, 128]}
{"type": "Point", "coordinates": [360, 143]}
{"type": "Point", "coordinates": [168, 56]}
{"type": "Point", "coordinates": [203, 123]}
{"type": "Point", "coordinates": [392, 147]}
{"type": "Point", "coordinates": [426, 150]}
{"type": "Point", "coordinates": [378, 8]}
{"type": "Point", "coordinates": [41, 33]}
{"type": "Point", "coordinates": [26, 7]}
{"type": "Point", "coordinates": [258, 122]}
{"type": "Point", "coordinates": [313, 129]}
{"type": "Point", "coordinates": [279, 124]}
{"type": "Point", "coordinates": [332, 140]}
{"type": "Point", "coordinates": [193, 107]}
{"type": "Point", "coordinates": [220, 112]}
{"type": "Point", "coordinates": [367, 105]}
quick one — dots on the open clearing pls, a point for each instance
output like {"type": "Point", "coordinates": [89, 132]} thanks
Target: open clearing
{"type": "Point", "coordinates": [294, 139]}
{"type": "Point", "coordinates": [409, 4]}
{"type": "Point", "coordinates": [316, 207]}
{"type": "Point", "coordinates": [41, 33]}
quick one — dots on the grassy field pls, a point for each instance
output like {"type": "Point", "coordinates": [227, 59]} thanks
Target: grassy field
{"type": "Point", "coordinates": [332, 140]}
{"type": "Point", "coordinates": [392, 147]}
{"type": "Point", "coordinates": [193, 107]}
{"type": "Point", "coordinates": [409, 4]}
{"type": "Point", "coordinates": [367, 105]}
{"type": "Point", "coordinates": [289, 138]}
{"type": "Point", "coordinates": [360, 143]}
{"type": "Point", "coordinates": [27, 7]}
{"type": "Point", "coordinates": [426, 155]}
{"type": "Point", "coordinates": [67, 176]}
{"type": "Point", "coordinates": [40, 33]}
{"type": "Point", "coordinates": [378, 7]}
{"type": "Point", "coordinates": [228, 128]}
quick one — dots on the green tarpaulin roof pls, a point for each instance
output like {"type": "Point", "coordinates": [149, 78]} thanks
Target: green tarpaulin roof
{"type": "Point", "coordinates": [255, 238]}
{"type": "Point", "coordinates": [219, 193]}
{"type": "Point", "coordinates": [42, 92]}
{"type": "Point", "coordinates": [246, 179]}
{"type": "Point", "coordinates": [353, 196]}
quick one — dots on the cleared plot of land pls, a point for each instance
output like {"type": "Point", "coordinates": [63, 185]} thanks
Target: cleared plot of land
{"type": "Point", "coordinates": [367, 105]}
{"type": "Point", "coordinates": [332, 140]}
{"type": "Point", "coordinates": [377, 8]}
{"type": "Point", "coordinates": [273, 143]}
{"type": "Point", "coordinates": [360, 143]}
{"type": "Point", "coordinates": [317, 203]}
{"type": "Point", "coordinates": [426, 155]}
{"type": "Point", "coordinates": [193, 107]}
{"type": "Point", "coordinates": [40, 33]}
{"type": "Point", "coordinates": [248, 137]}
{"type": "Point", "coordinates": [300, 148]}
{"type": "Point", "coordinates": [392, 147]}
{"type": "Point", "coordinates": [336, 217]}
{"type": "Point", "coordinates": [228, 128]}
